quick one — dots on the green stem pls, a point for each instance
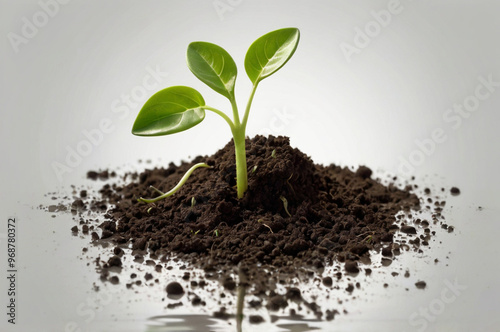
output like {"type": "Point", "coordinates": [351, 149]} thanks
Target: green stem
{"type": "Point", "coordinates": [238, 131]}
{"type": "Point", "coordinates": [241, 160]}
{"type": "Point", "coordinates": [249, 104]}
{"type": "Point", "coordinates": [240, 306]}
{"type": "Point", "coordinates": [177, 187]}
{"type": "Point", "coordinates": [236, 115]}
{"type": "Point", "coordinates": [239, 145]}
{"type": "Point", "coordinates": [157, 190]}
{"type": "Point", "coordinates": [223, 115]}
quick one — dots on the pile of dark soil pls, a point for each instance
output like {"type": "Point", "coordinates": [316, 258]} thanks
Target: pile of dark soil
{"type": "Point", "coordinates": [295, 214]}
{"type": "Point", "coordinates": [293, 210]}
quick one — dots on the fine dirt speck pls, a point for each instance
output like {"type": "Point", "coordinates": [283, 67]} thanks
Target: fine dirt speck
{"type": "Point", "coordinates": [174, 289]}
{"type": "Point", "coordinates": [420, 284]}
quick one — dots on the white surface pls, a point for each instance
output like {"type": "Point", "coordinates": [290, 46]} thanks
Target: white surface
{"type": "Point", "coordinates": [72, 73]}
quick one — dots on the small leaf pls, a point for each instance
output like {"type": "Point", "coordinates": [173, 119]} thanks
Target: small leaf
{"type": "Point", "coordinates": [270, 52]}
{"type": "Point", "coordinates": [170, 111]}
{"type": "Point", "coordinates": [213, 66]}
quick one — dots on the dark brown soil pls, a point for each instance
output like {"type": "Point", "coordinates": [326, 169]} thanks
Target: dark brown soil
{"type": "Point", "coordinates": [293, 209]}
{"type": "Point", "coordinates": [295, 214]}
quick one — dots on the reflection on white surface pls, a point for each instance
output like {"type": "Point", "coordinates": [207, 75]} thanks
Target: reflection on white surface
{"type": "Point", "coordinates": [61, 280]}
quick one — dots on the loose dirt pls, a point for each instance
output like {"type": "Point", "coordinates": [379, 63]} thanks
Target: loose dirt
{"type": "Point", "coordinates": [296, 217]}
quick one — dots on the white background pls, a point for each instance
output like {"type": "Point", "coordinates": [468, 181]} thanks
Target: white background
{"type": "Point", "coordinates": [371, 107]}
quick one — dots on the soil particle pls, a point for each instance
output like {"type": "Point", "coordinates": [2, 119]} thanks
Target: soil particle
{"type": "Point", "coordinates": [328, 281]}
{"type": "Point", "coordinates": [386, 261]}
{"type": "Point", "coordinates": [118, 251]}
{"type": "Point", "coordinates": [351, 267]}
{"type": "Point", "coordinates": [57, 208]}
{"type": "Point", "coordinates": [408, 229]}
{"type": "Point", "coordinates": [420, 284]}
{"type": "Point", "coordinates": [255, 319]}
{"type": "Point", "coordinates": [114, 280]}
{"type": "Point", "coordinates": [102, 175]}
{"type": "Point", "coordinates": [174, 305]}
{"type": "Point", "coordinates": [330, 314]}
{"type": "Point", "coordinates": [229, 284]}
{"type": "Point", "coordinates": [350, 288]}
{"type": "Point", "coordinates": [277, 302]}
{"type": "Point", "coordinates": [115, 261]}
{"type": "Point", "coordinates": [293, 294]}
{"type": "Point", "coordinates": [221, 314]}
{"type": "Point", "coordinates": [77, 205]}
{"type": "Point", "coordinates": [174, 289]}
{"type": "Point", "coordinates": [196, 301]}
{"type": "Point", "coordinates": [455, 191]}
{"type": "Point", "coordinates": [364, 172]}
{"type": "Point", "coordinates": [387, 252]}
{"type": "Point", "coordinates": [255, 303]}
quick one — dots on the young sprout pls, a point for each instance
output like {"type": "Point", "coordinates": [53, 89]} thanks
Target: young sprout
{"type": "Point", "coordinates": [261, 221]}
{"type": "Point", "coordinates": [285, 205]}
{"type": "Point", "coordinates": [179, 108]}
{"type": "Point", "coordinates": [174, 189]}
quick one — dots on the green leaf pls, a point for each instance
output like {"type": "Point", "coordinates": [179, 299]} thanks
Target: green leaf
{"type": "Point", "coordinates": [213, 66]}
{"type": "Point", "coordinates": [170, 111]}
{"type": "Point", "coordinates": [270, 52]}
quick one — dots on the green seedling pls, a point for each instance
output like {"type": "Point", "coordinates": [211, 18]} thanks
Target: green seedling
{"type": "Point", "coordinates": [179, 108]}
{"type": "Point", "coordinates": [193, 202]}
{"type": "Point", "coordinates": [174, 189]}
{"type": "Point", "coordinates": [285, 205]}
{"type": "Point", "coordinates": [260, 221]}
{"type": "Point", "coordinates": [216, 232]}
{"type": "Point", "coordinates": [273, 154]}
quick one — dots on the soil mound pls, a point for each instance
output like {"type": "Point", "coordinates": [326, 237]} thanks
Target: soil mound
{"type": "Point", "coordinates": [294, 213]}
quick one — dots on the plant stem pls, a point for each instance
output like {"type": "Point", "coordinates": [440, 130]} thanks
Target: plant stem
{"type": "Point", "coordinates": [177, 187]}
{"type": "Point", "coordinates": [241, 160]}
{"type": "Point", "coordinates": [239, 307]}
{"type": "Point", "coordinates": [236, 115]}
{"type": "Point", "coordinates": [223, 115]}
{"type": "Point", "coordinates": [238, 130]}
{"type": "Point", "coordinates": [239, 144]}
{"type": "Point", "coordinates": [249, 104]}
